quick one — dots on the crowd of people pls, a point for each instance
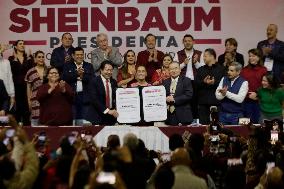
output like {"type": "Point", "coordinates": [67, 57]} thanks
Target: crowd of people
{"type": "Point", "coordinates": [216, 159]}
{"type": "Point", "coordinates": [73, 91]}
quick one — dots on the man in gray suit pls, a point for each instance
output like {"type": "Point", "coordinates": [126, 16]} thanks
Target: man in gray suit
{"type": "Point", "coordinates": [105, 52]}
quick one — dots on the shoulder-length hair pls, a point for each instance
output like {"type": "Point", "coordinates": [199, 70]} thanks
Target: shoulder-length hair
{"type": "Point", "coordinates": [124, 69]}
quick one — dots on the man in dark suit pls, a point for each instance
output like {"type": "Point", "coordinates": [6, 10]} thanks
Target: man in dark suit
{"type": "Point", "coordinates": [62, 54]}
{"type": "Point", "coordinates": [78, 74]}
{"type": "Point", "coordinates": [4, 99]}
{"type": "Point", "coordinates": [101, 97]}
{"type": "Point", "coordinates": [273, 52]}
{"type": "Point", "coordinates": [179, 93]}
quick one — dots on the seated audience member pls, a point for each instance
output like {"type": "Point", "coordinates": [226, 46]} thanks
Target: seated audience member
{"type": "Point", "coordinates": [6, 75]}
{"type": "Point", "coordinates": [184, 176]}
{"type": "Point", "coordinates": [179, 93]}
{"type": "Point", "coordinates": [253, 73]}
{"type": "Point", "coordinates": [20, 63]}
{"type": "Point", "coordinates": [231, 45]}
{"type": "Point", "coordinates": [270, 97]}
{"type": "Point", "coordinates": [105, 52]}
{"type": "Point", "coordinates": [231, 92]}
{"type": "Point", "coordinates": [101, 97]}
{"type": "Point", "coordinates": [78, 74]}
{"type": "Point", "coordinates": [62, 54]}
{"type": "Point", "coordinates": [4, 99]}
{"type": "Point", "coordinates": [151, 58]}
{"type": "Point", "coordinates": [207, 80]}
{"type": "Point", "coordinates": [162, 74]}
{"type": "Point", "coordinates": [273, 52]}
{"type": "Point", "coordinates": [141, 75]}
{"type": "Point", "coordinates": [34, 79]}
{"type": "Point", "coordinates": [55, 98]}
{"type": "Point", "coordinates": [126, 74]}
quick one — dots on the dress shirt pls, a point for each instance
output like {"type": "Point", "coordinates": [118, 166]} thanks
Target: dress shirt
{"type": "Point", "coordinates": [110, 93]}
{"type": "Point", "coordinates": [189, 71]}
{"type": "Point", "coordinates": [79, 86]}
{"type": "Point", "coordinates": [239, 98]}
{"type": "Point", "coordinates": [6, 76]}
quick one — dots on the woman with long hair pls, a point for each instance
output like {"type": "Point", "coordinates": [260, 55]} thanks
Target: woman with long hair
{"type": "Point", "coordinates": [253, 73]}
{"type": "Point", "coordinates": [20, 63]}
{"type": "Point", "coordinates": [34, 79]}
{"type": "Point", "coordinates": [126, 74]}
{"type": "Point", "coordinates": [164, 73]}
{"type": "Point", "coordinates": [271, 98]}
{"type": "Point", "coordinates": [56, 99]}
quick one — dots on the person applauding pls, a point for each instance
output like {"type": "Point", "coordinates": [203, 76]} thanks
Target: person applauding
{"type": "Point", "coordinates": [55, 98]}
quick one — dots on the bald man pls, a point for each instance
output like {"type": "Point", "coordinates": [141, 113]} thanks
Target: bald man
{"type": "Point", "coordinates": [273, 52]}
{"type": "Point", "coordinates": [184, 176]}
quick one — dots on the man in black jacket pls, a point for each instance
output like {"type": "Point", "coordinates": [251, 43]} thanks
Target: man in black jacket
{"type": "Point", "coordinates": [207, 80]}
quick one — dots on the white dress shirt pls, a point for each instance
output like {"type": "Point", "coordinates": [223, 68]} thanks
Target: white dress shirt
{"type": "Point", "coordinates": [6, 76]}
{"type": "Point", "coordinates": [189, 70]}
{"type": "Point", "coordinates": [239, 98]}
{"type": "Point", "coordinates": [79, 86]}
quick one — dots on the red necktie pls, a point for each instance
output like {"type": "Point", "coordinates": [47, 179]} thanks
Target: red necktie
{"type": "Point", "coordinates": [107, 94]}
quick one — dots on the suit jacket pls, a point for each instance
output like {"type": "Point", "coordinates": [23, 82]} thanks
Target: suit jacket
{"type": "Point", "coordinates": [70, 74]}
{"type": "Point", "coordinates": [182, 56]}
{"type": "Point", "coordinates": [277, 54]}
{"type": "Point", "coordinates": [98, 57]}
{"type": "Point", "coordinates": [4, 98]}
{"type": "Point", "coordinates": [96, 103]}
{"type": "Point", "coordinates": [182, 96]}
{"type": "Point", "coordinates": [58, 57]}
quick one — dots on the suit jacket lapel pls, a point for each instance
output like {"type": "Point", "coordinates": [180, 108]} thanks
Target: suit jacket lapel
{"type": "Point", "coordinates": [179, 85]}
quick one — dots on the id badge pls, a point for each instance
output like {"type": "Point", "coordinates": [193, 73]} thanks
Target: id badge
{"type": "Point", "coordinates": [268, 63]}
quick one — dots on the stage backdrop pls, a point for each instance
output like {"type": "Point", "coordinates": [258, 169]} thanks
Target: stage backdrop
{"type": "Point", "coordinates": [41, 22]}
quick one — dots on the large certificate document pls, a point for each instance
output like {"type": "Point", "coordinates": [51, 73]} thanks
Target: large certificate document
{"type": "Point", "coordinates": [154, 103]}
{"type": "Point", "coordinates": [128, 105]}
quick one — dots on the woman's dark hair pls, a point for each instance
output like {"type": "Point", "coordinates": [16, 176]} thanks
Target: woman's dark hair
{"type": "Point", "coordinates": [168, 55]}
{"type": "Point", "coordinates": [232, 41]}
{"type": "Point", "coordinates": [113, 142]}
{"type": "Point", "coordinates": [38, 52]}
{"type": "Point", "coordinates": [124, 69]}
{"type": "Point", "coordinates": [16, 43]}
{"type": "Point", "coordinates": [272, 80]}
{"type": "Point", "coordinates": [257, 53]}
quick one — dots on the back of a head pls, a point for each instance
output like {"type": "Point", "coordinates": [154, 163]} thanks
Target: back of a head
{"type": "Point", "coordinates": [164, 178]}
{"type": "Point", "coordinates": [7, 168]}
{"type": "Point", "coordinates": [175, 141]}
{"type": "Point", "coordinates": [180, 157]}
{"type": "Point", "coordinates": [196, 142]}
{"type": "Point", "coordinates": [113, 142]}
{"type": "Point", "coordinates": [275, 179]}
{"type": "Point", "coordinates": [131, 141]}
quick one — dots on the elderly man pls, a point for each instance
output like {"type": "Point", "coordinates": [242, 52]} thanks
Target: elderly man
{"type": "Point", "coordinates": [232, 91]}
{"type": "Point", "coordinates": [179, 93]}
{"type": "Point", "coordinates": [273, 52]}
{"type": "Point", "coordinates": [106, 52]}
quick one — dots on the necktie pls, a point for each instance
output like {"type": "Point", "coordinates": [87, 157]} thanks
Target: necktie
{"type": "Point", "coordinates": [172, 91]}
{"type": "Point", "coordinates": [107, 94]}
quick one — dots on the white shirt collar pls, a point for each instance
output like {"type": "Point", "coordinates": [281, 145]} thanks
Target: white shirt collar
{"type": "Point", "coordinates": [175, 79]}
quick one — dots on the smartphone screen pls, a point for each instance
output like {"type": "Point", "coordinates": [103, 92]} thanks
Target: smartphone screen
{"type": "Point", "coordinates": [269, 166]}
{"type": "Point", "coordinates": [4, 119]}
{"type": "Point", "coordinates": [106, 177]}
{"type": "Point", "coordinates": [10, 133]}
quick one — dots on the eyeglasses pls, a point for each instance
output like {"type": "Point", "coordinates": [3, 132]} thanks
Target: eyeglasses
{"type": "Point", "coordinates": [53, 73]}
